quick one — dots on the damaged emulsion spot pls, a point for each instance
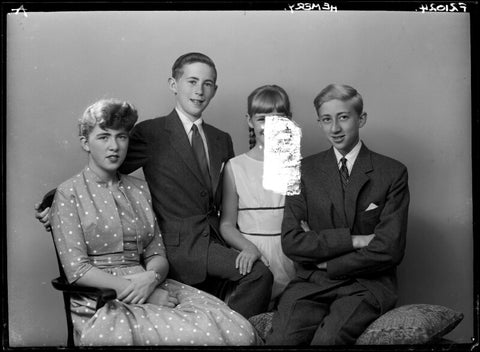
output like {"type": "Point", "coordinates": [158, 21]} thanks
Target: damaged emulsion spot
{"type": "Point", "coordinates": [281, 171]}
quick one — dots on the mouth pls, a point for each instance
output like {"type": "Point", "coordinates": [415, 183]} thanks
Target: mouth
{"type": "Point", "coordinates": [113, 158]}
{"type": "Point", "coordinates": [197, 102]}
{"type": "Point", "coordinates": [338, 139]}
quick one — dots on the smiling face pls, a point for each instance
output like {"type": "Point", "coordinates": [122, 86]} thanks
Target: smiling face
{"type": "Point", "coordinates": [194, 89]}
{"type": "Point", "coordinates": [107, 149]}
{"type": "Point", "coordinates": [341, 123]}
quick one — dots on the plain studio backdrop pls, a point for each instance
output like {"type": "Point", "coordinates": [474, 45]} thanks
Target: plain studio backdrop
{"type": "Point", "coordinates": [412, 68]}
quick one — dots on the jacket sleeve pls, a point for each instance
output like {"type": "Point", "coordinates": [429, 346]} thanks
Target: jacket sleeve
{"type": "Point", "coordinates": [231, 152]}
{"type": "Point", "coordinates": [387, 248]}
{"type": "Point", "coordinates": [138, 150]}
{"type": "Point", "coordinates": [311, 246]}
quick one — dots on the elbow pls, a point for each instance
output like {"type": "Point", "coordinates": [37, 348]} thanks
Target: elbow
{"type": "Point", "coordinates": [291, 249]}
{"type": "Point", "coordinates": [224, 229]}
{"type": "Point", "coordinates": [396, 257]}
{"type": "Point", "coordinates": [287, 250]}
{"type": "Point", "coordinates": [392, 257]}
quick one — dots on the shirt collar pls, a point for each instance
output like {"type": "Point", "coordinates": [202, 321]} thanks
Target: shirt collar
{"type": "Point", "coordinates": [187, 123]}
{"type": "Point", "coordinates": [351, 156]}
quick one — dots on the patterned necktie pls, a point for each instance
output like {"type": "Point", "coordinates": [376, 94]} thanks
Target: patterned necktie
{"type": "Point", "coordinates": [201, 156]}
{"type": "Point", "coordinates": [344, 172]}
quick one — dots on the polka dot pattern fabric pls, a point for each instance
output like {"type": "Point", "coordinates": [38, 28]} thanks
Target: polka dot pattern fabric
{"type": "Point", "coordinates": [113, 228]}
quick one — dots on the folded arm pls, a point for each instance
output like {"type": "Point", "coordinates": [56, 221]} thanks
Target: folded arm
{"type": "Point", "coordinates": [387, 248]}
{"type": "Point", "coordinates": [310, 246]}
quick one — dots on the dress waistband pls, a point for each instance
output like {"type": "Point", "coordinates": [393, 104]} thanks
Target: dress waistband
{"type": "Point", "coordinates": [261, 208]}
{"type": "Point", "coordinates": [261, 234]}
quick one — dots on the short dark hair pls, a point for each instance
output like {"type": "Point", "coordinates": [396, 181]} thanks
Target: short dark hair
{"type": "Point", "coordinates": [341, 92]}
{"type": "Point", "coordinates": [190, 58]}
{"type": "Point", "coordinates": [108, 113]}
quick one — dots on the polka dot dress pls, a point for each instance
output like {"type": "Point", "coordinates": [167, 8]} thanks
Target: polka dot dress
{"type": "Point", "coordinates": [113, 228]}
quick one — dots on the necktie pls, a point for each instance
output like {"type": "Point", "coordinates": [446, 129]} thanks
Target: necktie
{"type": "Point", "coordinates": [344, 172]}
{"type": "Point", "coordinates": [201, 156]}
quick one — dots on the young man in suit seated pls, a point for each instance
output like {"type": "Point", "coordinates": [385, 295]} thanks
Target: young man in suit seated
{"type": "Point", "coordinates": [345, 232]}
{"type": "Point", "coordinates": [182, 159]}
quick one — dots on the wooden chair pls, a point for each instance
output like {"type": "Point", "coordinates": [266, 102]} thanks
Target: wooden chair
{"type": "Point", "coordinates": [61, 284]}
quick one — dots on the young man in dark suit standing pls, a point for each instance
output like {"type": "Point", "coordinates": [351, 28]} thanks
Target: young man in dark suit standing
{"type": "Point", "coordinates": [182, 159]}
{"type": "Point", "coordinates": [345, 232]}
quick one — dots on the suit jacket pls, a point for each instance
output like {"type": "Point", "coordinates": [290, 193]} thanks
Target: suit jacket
{"type": "Point", "coordinates": [334, 218]}
{"type": "Point", "coordinates": [186, 216]}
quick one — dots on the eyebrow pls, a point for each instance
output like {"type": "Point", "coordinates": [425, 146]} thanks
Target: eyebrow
{"type": "Point", "coordinates": [338, 113]}
{"type": "Point", "coordinates": [198, 79]}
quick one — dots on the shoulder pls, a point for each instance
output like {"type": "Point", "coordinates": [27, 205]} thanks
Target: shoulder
{"type": "Point", "coordinates": [237, 163]}
{"type": "Point", "coordinates": [155, 125]}
{"type": "Point", "coordinates": [134, 182]}
{"type": "Point", "coordinates": [387, 163]}
{"type": "Point", "coordinates": [148, 125]}
{"type": "Point", "coordinates": [69, 186]}
{"type": "Point", "coordinates": [236, 159]}
{"type": "Point", "coordinates": [214, 130]}
{"type": "Point", "coordinates": [314, 159]}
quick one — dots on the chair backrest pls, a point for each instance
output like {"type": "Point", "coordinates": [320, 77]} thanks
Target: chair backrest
{"type": "Point", "coordinates": [62, 279]}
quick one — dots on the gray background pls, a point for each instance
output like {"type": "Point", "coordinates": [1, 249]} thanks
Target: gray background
{"type": "Point", "coordinates": [412, 69]}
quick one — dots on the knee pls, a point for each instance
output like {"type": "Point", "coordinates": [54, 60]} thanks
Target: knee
{"type": "Point", "coordinates": [261, 272]}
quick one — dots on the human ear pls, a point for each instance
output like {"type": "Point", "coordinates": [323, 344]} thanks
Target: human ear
{"type": "Point", "coordinates": [214, 91]}
{"type": "Point", "coordinates": [363, 119]}
{"type": "Point", "coordinates": [84, 143]}
{"type": "Point", "coordinates": [172, 84]}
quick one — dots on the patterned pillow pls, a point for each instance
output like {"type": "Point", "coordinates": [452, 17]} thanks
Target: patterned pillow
{"type": "Point", "coordinates": [262, 323]}
{"type": "Point", "coordinates": [411, 324]}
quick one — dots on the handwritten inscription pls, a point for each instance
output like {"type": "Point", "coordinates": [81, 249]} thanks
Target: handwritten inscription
{"type": "Point", "coordinates": [21, 8]}
{"type": "Point", "coordinates": [451, 7]}
{"type": "Point", "coordinates": [310, 6]}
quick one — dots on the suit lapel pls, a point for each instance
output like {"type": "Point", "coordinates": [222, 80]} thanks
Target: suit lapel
{"type": "Point", "coordinates": [179, 142]}
{"type": "Point", "coordinates": [333, 186]}
{"type": "Point", "coordinates": [357, 180]}
{"type": "Point", "coordinates": [215, 152]}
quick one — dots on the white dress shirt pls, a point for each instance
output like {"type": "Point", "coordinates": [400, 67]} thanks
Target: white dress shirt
{"type": "Point", "coordinates": [187, 124]}
{"type": "Point", "coordinates": [351, 157]}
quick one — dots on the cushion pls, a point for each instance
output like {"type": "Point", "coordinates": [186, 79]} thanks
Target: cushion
{"type": "Point", "coordinates": [411, 324]}
{"type": "Point", "coordinates": [262, 323]}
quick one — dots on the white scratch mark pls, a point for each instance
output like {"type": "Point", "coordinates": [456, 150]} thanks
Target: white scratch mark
{"type": "Point", "coordinates": [281, 171]}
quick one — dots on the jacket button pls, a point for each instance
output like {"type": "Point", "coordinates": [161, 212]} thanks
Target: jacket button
{"type": "Point", "coordinates": [203, 193]}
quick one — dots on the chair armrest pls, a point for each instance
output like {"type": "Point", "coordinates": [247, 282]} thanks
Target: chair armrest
{"type": "Point", "coordinates": [103, 294]}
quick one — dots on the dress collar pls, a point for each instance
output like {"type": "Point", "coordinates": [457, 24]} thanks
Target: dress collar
{"type": "Point", "coordinates": [91, 176]}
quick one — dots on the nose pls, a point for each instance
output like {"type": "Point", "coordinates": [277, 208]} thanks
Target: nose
{"type": "Point", "coordinates": [335, 126]}
{"type": "Point", "coordinates": [113, 145]}
{"type": "Point", "coordinates": [199, 89]}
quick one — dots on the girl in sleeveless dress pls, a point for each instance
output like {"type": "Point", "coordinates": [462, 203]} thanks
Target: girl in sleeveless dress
{"type": "Point", "coordinates": [107, 236]}
{"type": "Point", "coordinates": [251, 215]}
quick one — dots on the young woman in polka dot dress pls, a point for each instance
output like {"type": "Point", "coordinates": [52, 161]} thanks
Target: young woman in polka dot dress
{"type": "Point", "coordinates": [107, 236]}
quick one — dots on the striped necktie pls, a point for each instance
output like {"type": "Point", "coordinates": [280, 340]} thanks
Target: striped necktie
{"type": "Point", "coordinates": [344, 172]}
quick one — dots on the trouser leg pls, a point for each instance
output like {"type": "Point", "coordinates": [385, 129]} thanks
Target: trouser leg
{"type": "Point", "coordinates": [349, 315]}
{"type": "Point", "coordinates": [251, 293]}
{"type": "Point", "coordinates": [301, 308]}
